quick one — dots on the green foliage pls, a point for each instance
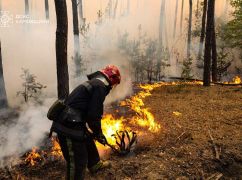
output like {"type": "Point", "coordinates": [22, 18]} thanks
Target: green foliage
{"type": "Point", "coordinates": [80, 62]}
{"type": "Point", "coordinates": [31, 88]}
{"type": "Point", "coordinates": [232, 31]}
{"type": "Point", "coordinates": [187, 69]}
{"type": "Point", "coordinates": [196, 32]}
{"type": "Point", "coordinates": [85, 28]}
{"type": "Point", "coordinates": [147, 58]}
{"type": "Point", "coordinates": [224, 61]}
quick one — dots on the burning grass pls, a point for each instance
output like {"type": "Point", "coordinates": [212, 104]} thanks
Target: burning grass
{"type": "Point", "coordinates": [180, 117]}
{"type": "Point", "coordinates": [118, 131]}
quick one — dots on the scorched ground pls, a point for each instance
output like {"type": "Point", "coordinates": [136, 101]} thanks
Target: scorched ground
{"type": "Point", "coordinates": [196, 133]}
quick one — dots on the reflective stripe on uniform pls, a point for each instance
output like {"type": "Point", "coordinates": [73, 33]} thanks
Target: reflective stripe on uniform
{"type": "Point", "coordinates": [71, 156]}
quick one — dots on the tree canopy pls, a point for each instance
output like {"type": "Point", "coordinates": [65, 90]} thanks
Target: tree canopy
{"type": "Point", "coordinates": [232, 30]}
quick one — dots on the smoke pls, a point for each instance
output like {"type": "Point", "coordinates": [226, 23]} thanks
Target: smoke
{"type": "Point", "coordinates": [27, 131]}
{"type": "Point", "coordinates": [37, 53]}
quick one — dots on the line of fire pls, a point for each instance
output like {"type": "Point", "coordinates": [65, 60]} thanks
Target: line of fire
{"type": "Point", "coordinates": [120, 89]}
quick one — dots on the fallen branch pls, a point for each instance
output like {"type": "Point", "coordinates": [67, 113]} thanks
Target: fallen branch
{"type": "Point", "coordinates": [229, 84]}
{"type": "Point", "coordinates": [178, 138]}
{"type": "Point", "coordinates": [217, 154]}
{"type": "Point", "coordinates": [215, 176]}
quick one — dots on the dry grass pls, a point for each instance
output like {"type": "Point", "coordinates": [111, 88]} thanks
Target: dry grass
{"type": "Point", "coordinates": [183, 149]}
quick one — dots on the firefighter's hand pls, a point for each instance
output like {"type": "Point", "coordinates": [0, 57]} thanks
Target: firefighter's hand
{"type": "Point", "coordinates": [102, 139]}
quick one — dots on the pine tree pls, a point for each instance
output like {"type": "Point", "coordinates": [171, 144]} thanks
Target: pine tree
{"type": "Point", "coordinates": [47, 13]}
{"type": "Point", "coordinates": [3, 96]}
{"type": "Point", "coordinates": [81, 17]}
{"type": "Point", "coordinates": [181, 20]}
{"type": "Point", "coordinates": [27, 7]}
{"type": "Point", "coordinates": [61, 49]}
{"type": "Point", "coordinates": [214, 54]}
{"type": "Point", "coordinates": [77, 57]}
{"type": "Point", "coordinates": [208, 43]}
{"type": "Point", "coordinates": [202, 36]}
{"type": "Point", "coordinates": [175, 20]}
{"type": "Point", "coordinates": [189, 31]}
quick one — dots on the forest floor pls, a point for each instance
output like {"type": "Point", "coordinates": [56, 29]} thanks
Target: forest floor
{"type": "Point", "coordinates": [201, 138]}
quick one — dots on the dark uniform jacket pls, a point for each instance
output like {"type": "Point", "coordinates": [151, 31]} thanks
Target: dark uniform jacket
{"type": "Point", "coordinates": [89, 103]}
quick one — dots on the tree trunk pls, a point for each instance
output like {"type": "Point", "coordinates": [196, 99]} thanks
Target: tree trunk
{"type": "Point", "coordinates": [3, 95]}
{"type": "Point", "coordinates": [226, 10]}
{"type": "Point", "coordinates": [197, 7]}
{"type": "Point", "coordinates": [175, 20]}
{"type": "Point", "coordinates": [161, 27]}
{"type": "Point", "coordinates": [208, 44]}
{"type": "Point", "coordinates": [128, 7]}
{"type": "Point", "coordinates": [181, 20]}
{"type": "Point", "coordinates": [202, 36]}
{"type": "Point", "coordinates": [115, 9]}
{"type": "Point", "coordinates": [110, 8]}
{"type": "Point", "coordinates": [26, 7]}
{"type": "Point", "coordinates": [47, 13]}
{"type": "Point", "coordinates": [214, 54]}
{"type": "Point", "coordinates": [81, 17]}
{"type": "Point", "coordinates": [189, 31]}
{"type": "Point", "coordinates": [61, 49]}
{"type": "Point", "coordinates": [77, 58]}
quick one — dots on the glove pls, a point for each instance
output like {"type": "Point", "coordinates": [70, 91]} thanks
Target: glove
{"type": "Point", "coordinates": [102, 139]}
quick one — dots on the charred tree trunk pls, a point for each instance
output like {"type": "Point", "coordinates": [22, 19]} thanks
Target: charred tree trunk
{"type": "Point", "coordinates": [75, 18]}
{"type": "Point", "coordinates": [81, 17]}
{"type": "Point", "coordinates": [214, 54]}
{"type": "Point", "coordinates": [77, 58]}
{"type": "Point", "coordinates": [208, 43]}
{"type": "Point", "coordinates": [175, 20]}
{"type": "Point", "coordinates": [61, 49]}
{"type": "Point", "coordinates": [3, 95]}
{"type": "Point", "coordinates": [27, 7]}
{"type": "Point", "coordinates": [189, 31]}
{"type": "Point", "coordinates": [181, 20]}
{"type": "Point", "coordinates": [47, 12]}
{"type": "Point", "coordinates": [202, 36]}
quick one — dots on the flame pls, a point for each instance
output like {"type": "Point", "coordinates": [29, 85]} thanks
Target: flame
{"type": "Point", "coordinates": [56, 149]}
{"type": "Point", "coordinates": [143, 117]}
{"type": "Point", "coordinates": [176, 113]}
{"type": "Point", "coordinates": [142, 121]}
{"type": "Point", "coordinates": [110, 126]}
{"type": "Point", "coordinates": [33, 157]}
{"type": "Point", "coordinates": [237, 80]}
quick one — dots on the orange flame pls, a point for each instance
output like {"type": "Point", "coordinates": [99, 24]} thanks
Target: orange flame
{"type": "Point", "coordinates": [33, 157]}
{"type": "Point", "coordinates": [237, 80]}
{"type": "Point", "coordinates": [56, 149]}
{"type": "Point", "coordinates": [143, 117]}
{"type": "Point", "coordinates": [110, 125]}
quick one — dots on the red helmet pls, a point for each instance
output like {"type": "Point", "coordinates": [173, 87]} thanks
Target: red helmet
{"type": "Point", "coordinates": [112, 73]}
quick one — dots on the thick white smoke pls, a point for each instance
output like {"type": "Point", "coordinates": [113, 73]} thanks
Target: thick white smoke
{"type": "Point", "coordinates": [26, 132]}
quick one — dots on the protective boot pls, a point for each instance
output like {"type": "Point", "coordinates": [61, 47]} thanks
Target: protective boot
{"type": "Point", "coordinates": [99, 166]}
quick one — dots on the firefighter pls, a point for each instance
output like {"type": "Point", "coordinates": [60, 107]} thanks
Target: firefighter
{"type": "Point", "coordinates": [84, 107]}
